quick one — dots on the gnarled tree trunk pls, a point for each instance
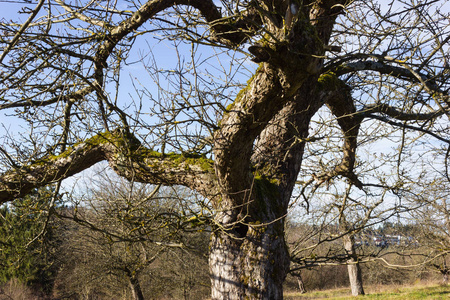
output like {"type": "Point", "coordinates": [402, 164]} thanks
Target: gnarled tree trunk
{"type": "Point", "coordinates": [249, 257]}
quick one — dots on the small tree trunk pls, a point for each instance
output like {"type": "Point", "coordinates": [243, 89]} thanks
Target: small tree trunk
{"type": "Point", "coordinates": [301, 284]}
{"type": "Point", "coordinates": [354, 274]}
{"type": "Point", "coordinates": [445, 271]}
{"type": "Point", "coordinates": [353, 267]}
{"type": "Point", "coordinates": [136, 291]}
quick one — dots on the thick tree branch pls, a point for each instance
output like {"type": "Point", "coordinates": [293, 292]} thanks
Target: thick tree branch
{"type": "Point", "coordinates": [225, 32]}
{"type": "Point", "coordinates": [337, 95]}
{"type": "Point", "coordinates": [126, 156]}
{"type": "Point", "coordinates": [19, 181]}
{"type": "Point", "coordinates": [278, 150]}
{"type": "Point", "coordinates": [254, 107]}
{"type": "Point", "coordinates": [341, 105]}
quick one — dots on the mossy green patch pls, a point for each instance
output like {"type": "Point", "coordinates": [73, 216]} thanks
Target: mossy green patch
{"type": "Point", "coordinates": [191, 159]}
{"type": "Point", "coordinates": [266, 190]}
{"type": "Point", "coordinates": [177, 159]}
{"type": "Point", "coordinates": [102, 138]}
{"type": "Point", "coordinates": [329, 81]}
{"type": "Point", "coordinates": [231, 105]}
{"type": "Point", "coordinates": [243, 91]}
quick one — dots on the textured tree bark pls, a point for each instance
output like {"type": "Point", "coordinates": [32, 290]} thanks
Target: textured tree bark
{"type": "Point", "coordinates": [250, 267]}
{"type": "Point", "coordinates": [250, 260]}
{"type": "Point", "coordinates": [248, 254]}
{"type": "Point", "coordinates": [353, 267]}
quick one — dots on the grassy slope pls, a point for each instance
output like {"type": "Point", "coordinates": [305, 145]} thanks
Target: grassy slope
{"type": "Point", "coordinates": [431, 292]}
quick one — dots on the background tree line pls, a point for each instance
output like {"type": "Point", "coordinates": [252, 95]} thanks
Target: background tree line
{"type": "Point", "coordinates": [127, 240]}
{"type": "Point", "coordinates": [120, 240]}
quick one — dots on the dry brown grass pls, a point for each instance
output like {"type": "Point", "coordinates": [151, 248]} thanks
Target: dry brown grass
{"type": "Point", "coordinates": [419, 290]}
{"type": "Point", "coordinates": [15, 290]}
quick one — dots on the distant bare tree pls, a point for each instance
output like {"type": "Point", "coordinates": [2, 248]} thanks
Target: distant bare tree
{"type": "Point", "coordinates": [118, 230]}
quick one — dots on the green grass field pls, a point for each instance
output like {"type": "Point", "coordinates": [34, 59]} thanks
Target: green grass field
{"type": "Point", "coordinates": [385, 292]}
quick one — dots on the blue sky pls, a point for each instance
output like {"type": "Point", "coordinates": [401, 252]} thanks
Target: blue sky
{"type": "Point", "coordinates": [165, 58]}
{"type": "Point", "coordinates": [164, 52]}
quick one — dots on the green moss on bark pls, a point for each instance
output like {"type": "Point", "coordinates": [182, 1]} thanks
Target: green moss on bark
{"type": "Point", "coordinates": [329, 81]}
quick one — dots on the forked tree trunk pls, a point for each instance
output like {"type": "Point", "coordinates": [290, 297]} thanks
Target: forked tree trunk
{"type": "Point", "coordinates": [251, 260]}
{"type": "Point", "coordinates": [353, 267]}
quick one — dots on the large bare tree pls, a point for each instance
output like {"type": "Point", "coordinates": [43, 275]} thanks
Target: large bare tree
{"type": "Point", "coordinates": [61, 76]}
